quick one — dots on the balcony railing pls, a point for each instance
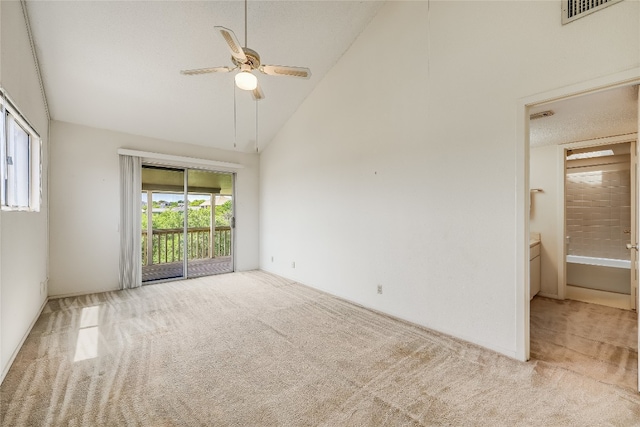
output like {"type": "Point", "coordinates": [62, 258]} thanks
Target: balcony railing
{"type": "Point", "coordinates": [168, 247]}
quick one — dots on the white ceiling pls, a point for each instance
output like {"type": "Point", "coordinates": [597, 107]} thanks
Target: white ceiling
{"type": "Point", "coordinates": [597, 115]}
{"type": "Point", "coordinates": [115, 64]}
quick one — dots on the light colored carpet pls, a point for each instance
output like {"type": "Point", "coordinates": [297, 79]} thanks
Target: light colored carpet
{"type": "Point", "coordinates": [253, 349]}
{"type": "Point", "coordinates": [593, 340]}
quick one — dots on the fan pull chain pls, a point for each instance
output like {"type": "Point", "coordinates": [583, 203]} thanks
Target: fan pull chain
{"type": "Point", "coordinates": [428, 27]}
{"type": "Point", "coordinates": [257, 126]}
{"type": "Point", "coordinates": [235, 118]}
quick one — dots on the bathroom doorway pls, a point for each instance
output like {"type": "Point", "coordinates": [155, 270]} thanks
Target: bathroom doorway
{"type": "Point", "coordinates": [565, 136]}
{"type": "Point", "coordinates": [599, 212]}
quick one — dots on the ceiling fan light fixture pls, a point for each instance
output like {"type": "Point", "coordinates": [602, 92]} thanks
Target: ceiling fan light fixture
{"type": "Point", "coordinates": [245, 80]}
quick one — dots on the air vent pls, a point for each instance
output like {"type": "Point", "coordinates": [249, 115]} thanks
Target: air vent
{"type": "Point", "coordinates": [541, 115]}
{"type": "Point", "coordinates": [574, 9]}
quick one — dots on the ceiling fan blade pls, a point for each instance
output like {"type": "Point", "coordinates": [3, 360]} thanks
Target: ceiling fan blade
{"type": "Point", "coordinates": [205, 71]}
{"type": "Point", "coordinates": [283, 70]}
{"type": "Point", "coordinates": [257, 93]}
{"type": "Point", "coordinates": [234, 46]}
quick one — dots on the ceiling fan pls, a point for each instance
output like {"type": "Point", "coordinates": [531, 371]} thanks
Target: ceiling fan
{"type": "Point", "coordinates": [246, 60]}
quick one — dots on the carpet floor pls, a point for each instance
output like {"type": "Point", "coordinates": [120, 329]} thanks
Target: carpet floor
{"type": "Point", "coordinates": [254, 349]}
{"type": "Point", "coordinates": [593, 340]}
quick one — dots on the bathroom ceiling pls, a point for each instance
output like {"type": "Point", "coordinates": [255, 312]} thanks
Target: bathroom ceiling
{"type": "Point", "coordinates": [116, 64]}
{"type": "Point", "coordinates": [601, 114]}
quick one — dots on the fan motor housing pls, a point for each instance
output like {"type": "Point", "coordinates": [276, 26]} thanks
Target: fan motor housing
{"type": "Point", "coordinates": [253, 59]}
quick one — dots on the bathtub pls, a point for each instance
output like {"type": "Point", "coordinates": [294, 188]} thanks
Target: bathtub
{"type": "Point", "coordinates": [603, 274]}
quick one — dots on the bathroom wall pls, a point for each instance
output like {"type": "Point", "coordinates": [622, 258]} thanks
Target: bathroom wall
{"type": "Point", "coordinates": [598, 212]}
{"type": "Point", "coordinates": [546, 167]}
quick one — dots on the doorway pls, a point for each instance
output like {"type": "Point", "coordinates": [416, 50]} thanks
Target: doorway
{"type": "Point", "coordinates": [600, 224]}
{"type": "Point", "coordinates": [577, 129]}
{"type": "Point", "coordinates": [187, 223]}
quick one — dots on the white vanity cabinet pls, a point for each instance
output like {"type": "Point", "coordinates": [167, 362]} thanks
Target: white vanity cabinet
{"type": "Point", "coordinates": [534, 268]}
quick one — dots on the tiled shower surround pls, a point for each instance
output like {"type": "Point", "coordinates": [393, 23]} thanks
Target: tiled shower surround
{"type": "Point", "coordinates": [598, 213]}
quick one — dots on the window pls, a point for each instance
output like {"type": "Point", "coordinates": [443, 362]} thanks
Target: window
{"type": "Point", "coordinates": [20, 168]}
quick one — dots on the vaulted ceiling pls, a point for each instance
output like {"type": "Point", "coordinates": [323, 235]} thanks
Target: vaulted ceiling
{"type": "Point", "coordinates": [115, 64]}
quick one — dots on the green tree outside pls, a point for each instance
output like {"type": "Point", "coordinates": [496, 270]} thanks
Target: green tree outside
{"type": "Point", "coordinates": [199, 217]}
{"type": "Point", "coordinates": [173, 218]}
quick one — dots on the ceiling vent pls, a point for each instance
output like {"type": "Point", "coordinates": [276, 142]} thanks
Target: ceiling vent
{"type": "Point", "coordinates": [541, 115]}
{"type": "Point", "coordinates": [574, 9]}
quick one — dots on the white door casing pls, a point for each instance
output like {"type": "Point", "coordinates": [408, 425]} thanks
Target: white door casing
{"type": "Point", "coordinates": [635, 222]}
{"type": "Point", "coordinates": [623, 78]}
{"type": "Point", "coordinates": [634, 226]}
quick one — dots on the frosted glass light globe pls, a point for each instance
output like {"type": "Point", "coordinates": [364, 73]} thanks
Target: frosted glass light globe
{"type": "Point", "coordinates": [246, 81]}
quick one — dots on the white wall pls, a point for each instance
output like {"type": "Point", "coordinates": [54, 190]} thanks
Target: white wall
{"type": "Point", "coordinates": [545, 173]}
{"type": "Point", "coordinates": [23, 266]}
{"type": "Point", "coordinates": [85, 204]}
{"type": "Point", "coordinates": [400, 168]}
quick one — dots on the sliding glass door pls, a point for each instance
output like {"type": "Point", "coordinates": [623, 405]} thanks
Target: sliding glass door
{"type": "Point", "coordinates": [186, 219]}
{"type": "Point", "coordinates": [210, 214]}
{"type": "Point", "coordinates": [163, 223]}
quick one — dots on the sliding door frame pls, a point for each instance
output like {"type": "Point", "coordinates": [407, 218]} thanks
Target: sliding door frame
{"type": "Point", "coordinates": [185, 225]}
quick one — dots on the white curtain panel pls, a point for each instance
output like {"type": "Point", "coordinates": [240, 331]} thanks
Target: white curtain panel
{"type": "Point", "coordinates": [130, 211]}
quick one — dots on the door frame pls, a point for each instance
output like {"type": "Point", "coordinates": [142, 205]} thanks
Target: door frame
{"type": "Point", "coordinates": [562, 210]}
{"type": "Point", "coordinates": [523, 106]}
{"type": "Point", "coordinates": [149, 221]}
{"type": "Point", "coordinates": [185, 168]}
{"type": "Point", "coordinates": [234, 176]}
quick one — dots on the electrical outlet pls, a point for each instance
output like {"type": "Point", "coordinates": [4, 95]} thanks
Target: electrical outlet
{"type": "Point", "coordinates": [293, 264]}
{"type": "Point", "coordinates": [271, 258]}
{"type": "Point", "coordinates": [380, 289]}
{"type": "Point", "coordinates": [42, 288]}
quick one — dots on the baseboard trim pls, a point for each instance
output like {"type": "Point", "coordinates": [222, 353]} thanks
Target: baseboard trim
{"type": "Point", "coordinates": [5, 371]}
{"type": "Point", "coordinates": [592, 296]}
{"type": "Point", "coordinates": [80, 294]}
{"type": "Point", "coordinates": [546, 295]}
{"type": "Point", "coordinates": [511, 353]}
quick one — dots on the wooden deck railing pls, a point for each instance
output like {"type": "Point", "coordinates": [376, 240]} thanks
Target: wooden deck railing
{"type": "Point", "coordinates": [167, 244]}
